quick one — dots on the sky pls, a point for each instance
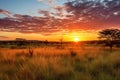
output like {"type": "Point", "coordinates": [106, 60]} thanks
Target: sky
{"type": "Point", "coordinates": [55, 19]}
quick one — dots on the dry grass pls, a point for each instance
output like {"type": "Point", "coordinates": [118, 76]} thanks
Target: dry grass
{"type": "Point", "coordinates": [50, 63]}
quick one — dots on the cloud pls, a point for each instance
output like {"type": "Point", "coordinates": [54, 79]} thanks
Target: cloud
{"type": "Point", "coordinates": [100, 10]}
{"type": "Point", "coordinates": [47, 1]}
{"type": "Point", "coordinates": [3, 37]}
{"type": "Point", "coordinates": [59, 8]}
{"type": "Point", "coordinates": [45, 25]}
{"type": "Point", "coordinates": [45, 13]}
{"type": "Point", "coordinates": [18, 16]}
{"type": "Point", "coordinates": [6, 13]}
{"type": "Point", "coordinates": [51, 1]}
{"type": "Point", "coordinates": [75, 15]}
{"type": "Point", "coordinates": [29, 24]}
{"type": "Point", "coordinates": [39, 0]}
{"type": "Point", "coordinates": [59, 11]}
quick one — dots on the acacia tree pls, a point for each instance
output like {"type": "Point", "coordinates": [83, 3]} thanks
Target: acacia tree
{"type": "Point", "coordinates": [110, 36]}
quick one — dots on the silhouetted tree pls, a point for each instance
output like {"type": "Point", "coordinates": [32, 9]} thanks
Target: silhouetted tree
{"type": "Point", "coordinates": [110, 35]}
{"type": "Point", "coordinates": [30, 52]}
{"type": "Point", "coordinates": [61, 43]}
{"type": "Point", "coordinates": [46, 42]}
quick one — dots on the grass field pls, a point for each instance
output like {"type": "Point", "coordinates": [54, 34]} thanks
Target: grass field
{"type": "Point", "coordinates": [52, 63]}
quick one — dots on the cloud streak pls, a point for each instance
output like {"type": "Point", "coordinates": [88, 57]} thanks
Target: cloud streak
{"type": "Point", "coordinates": [5, 12]}
{"type": "Point", "coordinates": [3, 37]}
{"type": "Point", "coordinates": [48, 1]}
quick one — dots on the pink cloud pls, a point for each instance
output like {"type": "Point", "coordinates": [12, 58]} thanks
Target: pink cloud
{"type": "Point", "coordinates": [47, 1]}
{"type": "Point", "coordinates": [45, 13]}
{"type": "Point", "coordinates": [6, 13]}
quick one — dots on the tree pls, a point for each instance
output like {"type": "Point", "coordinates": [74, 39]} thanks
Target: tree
{"type": "Point", "coordinates": [61, 42]}
{"type": "Point", "coordinates": [110, 36]}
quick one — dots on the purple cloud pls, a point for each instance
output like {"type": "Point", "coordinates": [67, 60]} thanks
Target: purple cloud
{"type": "Point", "coordinates": [95, 10]}
{"type": "Point", "coordinates": [45, 13]}
{"type": "Point", "coordinates": [48, 1]}
{"type": "Point", "coordinates": [6, 13]}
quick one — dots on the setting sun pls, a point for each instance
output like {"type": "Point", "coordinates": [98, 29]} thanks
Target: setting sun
{"type": "Point", "coordinates": [76, 39]}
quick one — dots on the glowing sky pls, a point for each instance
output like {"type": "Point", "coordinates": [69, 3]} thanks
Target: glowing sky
{"type": "Point", "coordinates": [52, 19]}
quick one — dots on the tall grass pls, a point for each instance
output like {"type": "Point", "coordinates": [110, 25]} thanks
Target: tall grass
{"type": "Point", "coordinates": [90, 63]}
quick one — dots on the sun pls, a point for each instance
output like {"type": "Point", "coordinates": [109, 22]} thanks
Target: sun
{"type": "Point", "coordinates": [76, 39]}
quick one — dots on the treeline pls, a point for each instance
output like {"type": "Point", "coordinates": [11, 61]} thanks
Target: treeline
{"type": "Point", "coordinates": [29, 43]}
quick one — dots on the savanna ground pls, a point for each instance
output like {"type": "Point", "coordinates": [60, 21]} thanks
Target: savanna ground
{"type": "Point", "coordinates": [73, 62]}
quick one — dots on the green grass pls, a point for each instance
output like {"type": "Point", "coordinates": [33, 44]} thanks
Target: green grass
{"type": "Point", "coordinates": [87, 64]}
